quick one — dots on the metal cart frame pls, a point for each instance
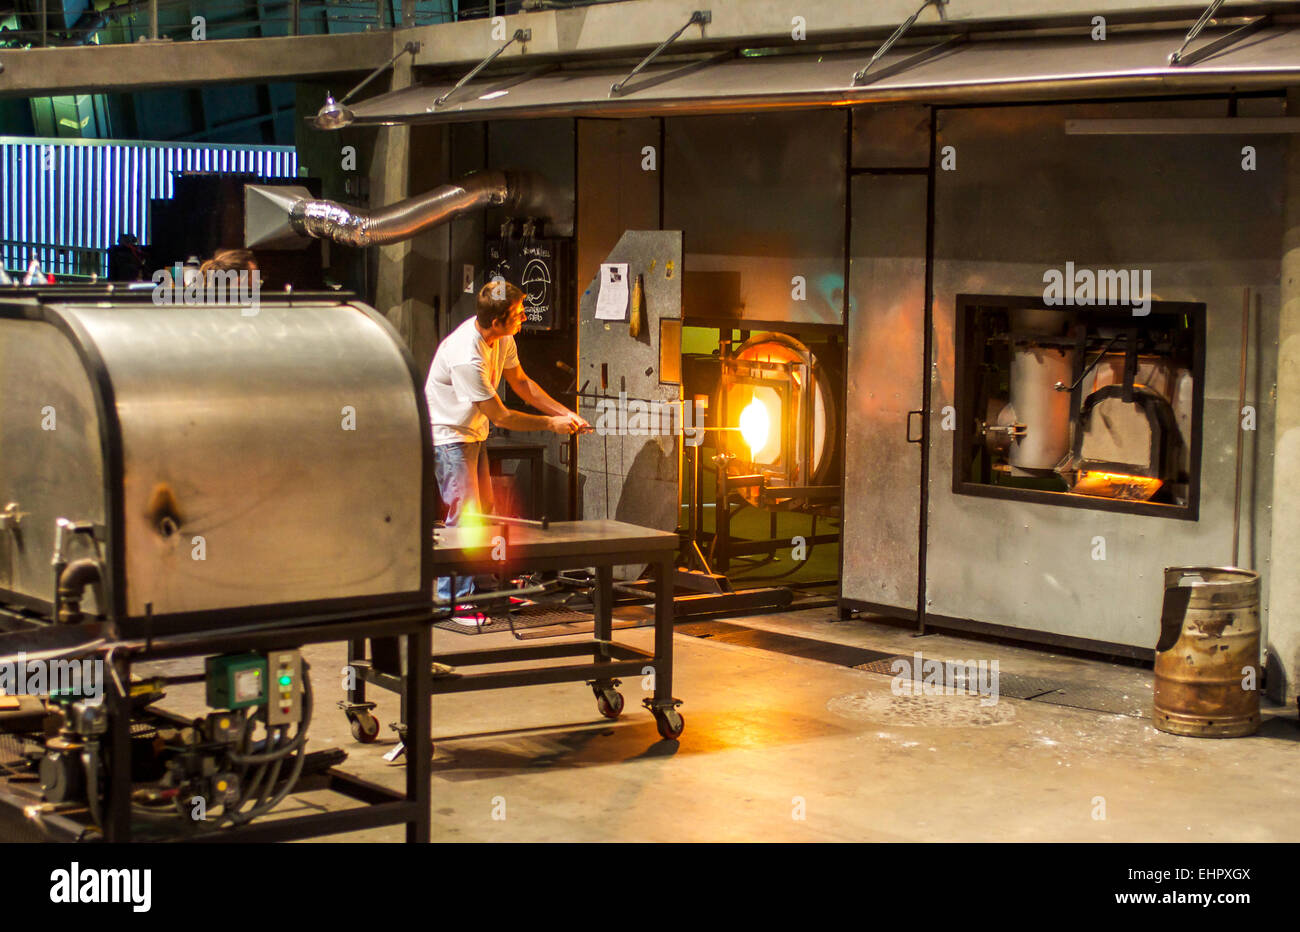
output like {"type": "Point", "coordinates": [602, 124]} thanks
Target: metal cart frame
{"type": "Point", "coordinates": [558, 546]}
{"type": "Point", "coordinates": [383, 806]}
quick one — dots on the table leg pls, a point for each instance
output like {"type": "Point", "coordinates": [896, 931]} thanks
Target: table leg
{"type": "Point", "coordinates": [663, 705]}
{"type": "Point", "coordinates": [357, 692]}
{"type": "Point", "coordinates": [537, 478]}
{"type": "Point", "coordinates": [419, 655]}
{"type": "Point", "coordinates": [604, 606]}
{"type": "Point", "coordinates": [117, 794]}
{"type": "Point", "coordinates": [664, 634]}
{"type": "Point", "coordinates": [609, 701]}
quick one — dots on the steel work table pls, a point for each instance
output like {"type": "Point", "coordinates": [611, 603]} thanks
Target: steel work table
{"type": "Point", "coordinates": [514, 549]}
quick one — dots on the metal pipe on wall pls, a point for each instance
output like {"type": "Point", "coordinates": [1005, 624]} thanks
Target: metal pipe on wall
{"type": "Point", "coordinates": [1241, 404]}
{"type": "Point", "coordinates": [357, 226]}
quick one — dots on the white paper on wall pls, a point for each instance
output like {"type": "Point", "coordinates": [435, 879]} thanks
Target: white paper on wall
{"type": "Point", "coordinates": [611, 302]}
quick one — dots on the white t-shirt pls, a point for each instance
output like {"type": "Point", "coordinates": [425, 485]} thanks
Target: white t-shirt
{"type": "Point", "coordinates": [465, 370]}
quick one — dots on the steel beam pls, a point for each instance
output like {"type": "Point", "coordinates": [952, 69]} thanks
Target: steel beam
{"type": "Point", "coordinates": [618, 29]}
{"type": "Point", "coordinates": [129, 67]}
{"type": "Point", "coordinates": [635, 27]}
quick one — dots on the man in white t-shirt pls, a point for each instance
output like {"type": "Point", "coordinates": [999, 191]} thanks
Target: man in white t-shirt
{"type": "Point", "coordinates": [462, 394]}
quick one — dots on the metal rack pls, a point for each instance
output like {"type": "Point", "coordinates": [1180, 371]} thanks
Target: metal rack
{"type": "Point", "coordinates": [381, 806]}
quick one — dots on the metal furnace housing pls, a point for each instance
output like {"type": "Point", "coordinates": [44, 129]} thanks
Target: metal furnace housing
{"type": "Point", "coordinates": [215, 463]}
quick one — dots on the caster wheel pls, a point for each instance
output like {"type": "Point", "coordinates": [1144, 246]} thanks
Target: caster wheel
{"type": "Point", "coordinates": [365, 727]}
{"type": "Point", "coordinates": [609, 702]}
{"type": "Point", "coordinates": [670, 723]}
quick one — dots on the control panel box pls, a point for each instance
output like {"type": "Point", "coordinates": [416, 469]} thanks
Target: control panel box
{"type": "Point", "coordinates": [236, 681]}
{"type": "Point", "coordinates": [284, 702]}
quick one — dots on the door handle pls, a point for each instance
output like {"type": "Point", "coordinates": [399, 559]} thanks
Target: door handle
{"type": "Point", "coordinates": [921, 435]}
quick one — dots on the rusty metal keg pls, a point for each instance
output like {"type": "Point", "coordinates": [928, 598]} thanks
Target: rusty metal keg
{"type": "Point", "coordinates": [1208, 653]}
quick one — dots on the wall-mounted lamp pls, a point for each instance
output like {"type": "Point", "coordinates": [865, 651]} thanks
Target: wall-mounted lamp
{"type": "Point", "coordinates": [334, 115]}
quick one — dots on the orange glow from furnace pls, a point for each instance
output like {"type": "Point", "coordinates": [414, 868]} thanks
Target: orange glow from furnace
{"type": "Point", "coordinates": [755, 426]}
{"type": "Point", "coordinates": [1117, 485]}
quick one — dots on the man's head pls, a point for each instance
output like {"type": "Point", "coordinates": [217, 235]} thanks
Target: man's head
{"type": "Point", "coordinates": [501, 308]}
{"type": "Point", "coordinates": [230, 260]}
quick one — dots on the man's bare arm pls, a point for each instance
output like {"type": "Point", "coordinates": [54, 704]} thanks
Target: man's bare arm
{"type": "Point", "coordinates": [532, 393]}
{"type": "Point", "coordinates": [535, 395]}
{"type": "Point", "coordinates": [502, 416]}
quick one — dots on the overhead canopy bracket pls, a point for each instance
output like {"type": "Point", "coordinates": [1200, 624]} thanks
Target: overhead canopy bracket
{"type": "Point", "coordinates": [521, 36]}
{"type": "Point", "coordinates": [860, 77]}
{"type": "Point", "coordinates": [700, 17]}
{"type": "Point", "coordinates": [656, 79]}
{"type": "Point", "coordinates": [1183, 58]}
{"type": "Point", "coordinates": [981, 69]}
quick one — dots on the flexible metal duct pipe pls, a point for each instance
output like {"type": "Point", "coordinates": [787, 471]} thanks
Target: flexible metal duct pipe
{"type": "Point", "coordinates": [518, 192]}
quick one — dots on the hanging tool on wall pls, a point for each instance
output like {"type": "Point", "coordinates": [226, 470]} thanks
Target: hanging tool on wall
{"type": "Point", "coordinates": [636, 316]}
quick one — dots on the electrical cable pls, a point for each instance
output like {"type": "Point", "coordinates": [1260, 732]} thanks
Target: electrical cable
{"type": "Point", "coordinates": [270, 757]}
{"type": "Point", "coordinates": [250, 789]}
{"type": "Point", "coordinates": [289, 783]}
{"type": "Point", "coordinates": [270, 771]}
{"type": "Point", "coordinates": [265, 768]}
{"type": "Point", "coordinates": [299, 760]}
{"type": "Point", "coordinates": [298, 739]}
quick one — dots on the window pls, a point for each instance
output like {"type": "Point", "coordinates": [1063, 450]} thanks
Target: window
{"type": "Point", "coordinates": [1087, 407]}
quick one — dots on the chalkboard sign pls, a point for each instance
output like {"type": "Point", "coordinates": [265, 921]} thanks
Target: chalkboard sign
{"type": "Point", "coordinates": [538, 267]}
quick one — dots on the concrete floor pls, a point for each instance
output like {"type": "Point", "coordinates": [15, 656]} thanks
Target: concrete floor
{"type": "Point", "coordinates": [777, 748]}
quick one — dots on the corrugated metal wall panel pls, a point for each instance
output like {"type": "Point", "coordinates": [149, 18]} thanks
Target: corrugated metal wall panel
{"type": "Point", "coordinates": [67, 201]}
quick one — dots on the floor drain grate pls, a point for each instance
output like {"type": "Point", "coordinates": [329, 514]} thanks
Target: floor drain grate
{"type": "Point", "coordinates": [1084, 696]}
{"type": "Point", "coordinates": [1011, 686]}
{"type": "Point", "coordinates": [1098, 699]}
{"type": "Point", "coordinates": [844, 655]}
{"type": "Point", "coordinates": [1041, 689]}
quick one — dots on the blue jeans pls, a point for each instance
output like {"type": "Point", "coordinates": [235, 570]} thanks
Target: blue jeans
{"type": "Point", "coordinates": [464, 484]}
